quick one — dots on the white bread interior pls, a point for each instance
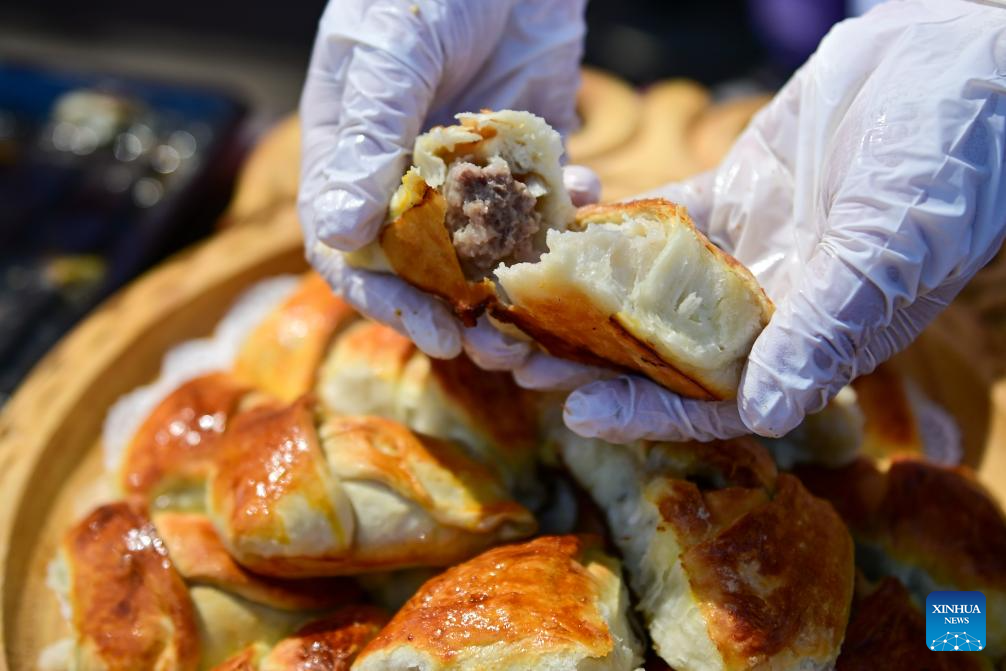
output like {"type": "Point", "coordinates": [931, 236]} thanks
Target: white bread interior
{"type": "Point", "coordinates": [645, 263]}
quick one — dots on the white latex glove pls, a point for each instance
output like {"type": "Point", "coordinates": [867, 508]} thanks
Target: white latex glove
{"type": "Point", "coordinates": [383, 70]}
{"type": "Point", "coordinates": [864, 197]}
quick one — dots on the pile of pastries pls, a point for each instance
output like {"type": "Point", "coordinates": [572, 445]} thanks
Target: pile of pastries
{"type": "Point", "coordinates": [305, 490]}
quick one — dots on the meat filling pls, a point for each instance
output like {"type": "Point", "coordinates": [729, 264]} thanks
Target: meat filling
{"type": "Point", "coordinates": [490, 215]}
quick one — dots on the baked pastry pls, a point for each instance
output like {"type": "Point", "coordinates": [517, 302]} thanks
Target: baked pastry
{"type": "Point", "coordinates": [170, 455]}
{"type": "Point", "coordinates": [735, 567]}
{"type": "Point", "coordinates": [229, 624]}
{"type": "Point", "coordinates": [637, 286]}
{"type": "Point", "coordinates": [634, 286]}
{"type": "Point", "coordinates": [930, 526]}
{"type": "Point", "coordinates": [890, 426]}
{"type": "Point", "coordinates": [296, 493]}
{"type": "Point", "coordinates": [281, 356]}
{"type": "Point", "coordinates": [887, 631]}
{"type": "Point", "coordinates": [201, 559]}
{"type": "Point", "coordinates": [373, 370]}
{"type": "Point", "coordinates": [556, 602]}
{"type": "Point", "coordinates": [127, 605]}
{"type": "Point", "coordinates": [329, 644]}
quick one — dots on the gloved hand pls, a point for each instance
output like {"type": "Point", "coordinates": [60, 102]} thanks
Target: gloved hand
{"type": "Point", "coordinates": [381, 71]}
{"type": "Point", "coordinates": [864, 197]}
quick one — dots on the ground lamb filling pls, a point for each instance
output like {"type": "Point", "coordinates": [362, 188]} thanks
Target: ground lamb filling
{"type": "Point", "coordinates": [490, 215]}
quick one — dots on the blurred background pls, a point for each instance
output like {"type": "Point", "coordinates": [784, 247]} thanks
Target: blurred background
{"type": "Point", "coordinates": [123, 126]}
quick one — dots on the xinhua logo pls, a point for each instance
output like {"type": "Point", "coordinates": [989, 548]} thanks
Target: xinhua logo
{"type": "Point", "coordinates": [955, 621]}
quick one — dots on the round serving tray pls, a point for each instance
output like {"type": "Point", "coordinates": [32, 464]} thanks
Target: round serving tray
{"type": "Point", "coordinates": [49, 452]}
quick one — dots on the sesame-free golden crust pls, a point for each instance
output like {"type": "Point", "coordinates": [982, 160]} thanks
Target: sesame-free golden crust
{"type": "Point", "coordinates": [890, 427]}
{"type": "Point", "coordinates": [496, 404]}
{"type": "Point", "coordinates": [775, 582]}
{"type": "Point", "coordinates": [330, 644]}
{"type": "Point", "coordinates": [497, 407]}
{"type": "Point", "coordinates": [960, 541]}
{"type": "Point", "coordinates": [282, 355]}
{"type": "Point", "coordinates": [537, 597]}
{"type": "Point", "coordinates": [131, 610]}
{"type": "Point", "coordinates": [178, 440]}
{"type": "Point", "coordinates": [568, 324]}
{"type": "Point", "coordinates": [419, 249]}
{"type": "Point", "coordinates": [887, 631]}
{"type": "Point", "coordinates": [269, 452]}
{"type": "Point", "coordinates": [380, 450]}
{"type": "Point", "coordinates": [272, 454]}
{"type": "Point", "coordinates": [201, 558]}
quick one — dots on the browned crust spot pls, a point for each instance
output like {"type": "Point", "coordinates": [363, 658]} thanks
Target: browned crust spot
{"type": "Point", "coordinates": [887, 631]}
{"type": "Point", "coordinates": [282, 355]}
{"type": "Point", "coordinates": [961, 541]}
{"type": "Point", "coordinates": [777, 580]}
{"type": "Point", "coordinates": [498, 597]}
{"type": "Point", "coordinates": [330, 644]}
{"type": "Point", "coordinates": [130, 606]}
{"type": "Point", "coordinates": [179, 439]}
{"type": "Point", "coordinates": [201, 558]}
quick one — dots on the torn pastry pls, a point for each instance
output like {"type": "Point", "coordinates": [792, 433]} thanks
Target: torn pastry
{"type": "Point", "coordinates": [482, 220]}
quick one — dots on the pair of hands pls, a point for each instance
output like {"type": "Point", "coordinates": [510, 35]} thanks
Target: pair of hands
{"type": "Point", "coordinates": [863, 197]}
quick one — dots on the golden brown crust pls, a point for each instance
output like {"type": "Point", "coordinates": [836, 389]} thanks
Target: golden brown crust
{"type": "Point", "coordinates": [490, 401]}
{"type": "Point", "coordinates": [890, 427]}
{"type": "Point", "coordinates": [245, 660]}
{"type": "Point", "coordinates": [887, 631]}
{"type": "Point", "coordinates": [495, 403]}
{"type": "Point", "coordinates": [569, 325]}
{"type": "Point", "coordinates": [268, 452]}
{"type": "Point", "coordinates": [738, 462]}
{"type": "Point", "coordinates": [420, 251]}
{"type": "Point", "coordinates": [385, 451]}
{"type": "Point", "coordinates": [961, 541]}
{"type": "Point", "coordinates": [765, 595]}
{"type": "Point", "coordinates": [536, 594]}
{"type": "Point", "coordinates": [330, 644]}
{"type": "Point", "coordinates": [201, 558]}
{"type": "Point", "coordinates": [178, 440]}
{"type": "Point", "coordinates": [272, 471]}
{"type": "Point", "coordinates": [282, 355]}
{"type": "Point", "coordinates": [130, 607]}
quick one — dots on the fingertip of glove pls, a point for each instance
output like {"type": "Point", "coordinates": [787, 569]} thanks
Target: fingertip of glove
{"type": "Point", "coordinates": [768, 413]}
{"type": "Point", "coordinates": [594, 411]}
{"type": "Point", "coordinates": [343, 220]}
{"type": "Point", "coordinates": [582, 183]}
